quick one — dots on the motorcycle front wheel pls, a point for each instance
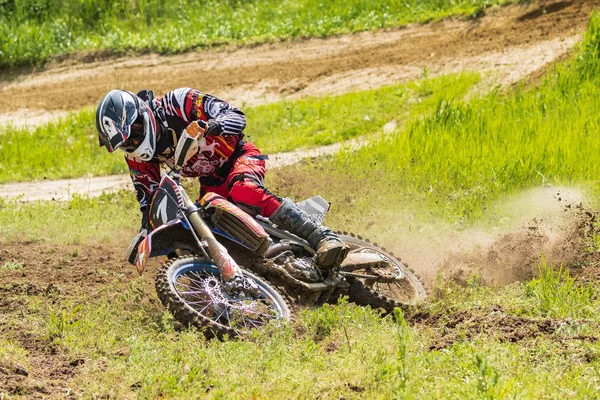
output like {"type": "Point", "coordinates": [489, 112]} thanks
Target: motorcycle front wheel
{"type": "Point", "coordinates": [192, 289]}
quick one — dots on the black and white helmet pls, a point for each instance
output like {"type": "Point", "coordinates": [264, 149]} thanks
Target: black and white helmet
{"type": "Point", "coordinates": [125, 121]}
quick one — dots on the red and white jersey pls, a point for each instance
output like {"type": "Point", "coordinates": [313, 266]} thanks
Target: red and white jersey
{"type": "Point", "coordinates": [182, 106]}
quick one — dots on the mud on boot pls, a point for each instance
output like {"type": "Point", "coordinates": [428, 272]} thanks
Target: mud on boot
{"type": "Point", "coordinates": [331, 251]}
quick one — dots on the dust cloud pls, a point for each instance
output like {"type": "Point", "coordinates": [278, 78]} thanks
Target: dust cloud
{"type": "Point", "coordinates": [508, 243]}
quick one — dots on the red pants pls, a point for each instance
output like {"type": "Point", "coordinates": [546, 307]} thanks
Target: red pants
{"type": "Point", "coordinates": [244, 184]}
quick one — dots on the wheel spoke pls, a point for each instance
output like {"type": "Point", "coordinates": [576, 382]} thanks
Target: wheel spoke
{"type": "Point", "coordinates": [188, 286]}
{"type": "Point", "coordinates": [201, 289]}
{"type": "Point", "coordinates": [208, 305]}
{"type": "Point", "coordinates": [253, 324]}
{"type": "Point", "coordinates": [266, 315]}
{"type": "Point", "coordinates": [198, 302]}
{"type": "Point", "coordinates": [226, 314]}
{"type": "Point", "coordinates": [244, 322]}
{"type": "Point", "coordinates": [194, 292]}
{"type": "Point", "coordinates": [197, 294]}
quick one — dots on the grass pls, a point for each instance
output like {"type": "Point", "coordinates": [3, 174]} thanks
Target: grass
{"type": "Point", "coordinates": [290, 125]}
{"type": "Point", "coordinates": [102, 219]}
{"type": "Point", "coordinates": [58, 324]}
{"type": "Point", "coordinates": [459, 158]}
{"type": "Point", "coordinates": [69, 148]}
{"type": "Point", "coordinates": [526, 340]}
{"type": "Point", "coordinates": [127, 345]}
{"type": "Point", "coordinates": [559, 295]}
{"type": "Point", "coordinates": [32, 31]}
{"type": "Point", "coordinates": [13, 357]}
{"type": "Point", "coordinates": [12, 266]}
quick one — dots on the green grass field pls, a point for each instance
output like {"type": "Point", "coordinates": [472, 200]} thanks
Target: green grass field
{"type": "Point", "coordinates": [466, 342]}
{"type": "Point", "coordinates": [460, 155]}
{"type": "Point", "coordinates": [32, 31]}
{"type": "Point", "coordinates": [77, 221]}
{"type": "Point", "coordinates": [451, 159]}
{"type": "Point", "coordinates": [69, 148]}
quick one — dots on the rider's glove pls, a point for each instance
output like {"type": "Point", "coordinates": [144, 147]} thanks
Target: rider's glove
{"type": "Point", "coordinates": [214, 128]}
{"type": "Point", "coordinates": [198, 129]}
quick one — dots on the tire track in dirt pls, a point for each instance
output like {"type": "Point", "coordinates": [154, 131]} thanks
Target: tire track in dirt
{"type": "Point", "coordinates": [507, 68]}
{"type": "Point", "coordinates": [295, 69]}
{"type": "Point", "coordinates": [504, 67]}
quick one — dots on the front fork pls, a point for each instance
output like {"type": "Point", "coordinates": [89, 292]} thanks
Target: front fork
{"type": "Point", "coordinates": [216, 251]}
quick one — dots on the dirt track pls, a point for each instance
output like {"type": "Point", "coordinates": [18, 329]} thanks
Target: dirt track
{"type": "Point", "coordinates": [510, 43]}
{"type": "Point", "coordinates": [507, 45]}
{"type": "Point", "coordinates": [513, 41]}
{"type": "Point", "coordinates": [90, 186]}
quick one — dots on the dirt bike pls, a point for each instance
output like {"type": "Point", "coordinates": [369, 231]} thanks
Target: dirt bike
{"type": "Point", "coordinates": [202, 283]}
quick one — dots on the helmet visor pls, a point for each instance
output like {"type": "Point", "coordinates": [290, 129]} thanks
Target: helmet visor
{"type": "Point", "coordinates": [141, 142]}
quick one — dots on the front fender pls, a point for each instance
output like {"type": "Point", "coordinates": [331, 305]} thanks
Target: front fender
{"type": "Point", "coordinates": [164, 240]}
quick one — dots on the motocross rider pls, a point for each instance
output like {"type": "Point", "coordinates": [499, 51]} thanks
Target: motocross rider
{"type": "Point", "coordinates": [147, 129]}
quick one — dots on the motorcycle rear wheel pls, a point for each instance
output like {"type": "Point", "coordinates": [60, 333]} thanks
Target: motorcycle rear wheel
{"type": "Point", "coordinates": [191, 288]}
{"type": "Point", "coordinates": [406, 290]}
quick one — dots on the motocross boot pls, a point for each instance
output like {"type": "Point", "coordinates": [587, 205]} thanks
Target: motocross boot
{"type": "Point", "coordinates": [330, 249]}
